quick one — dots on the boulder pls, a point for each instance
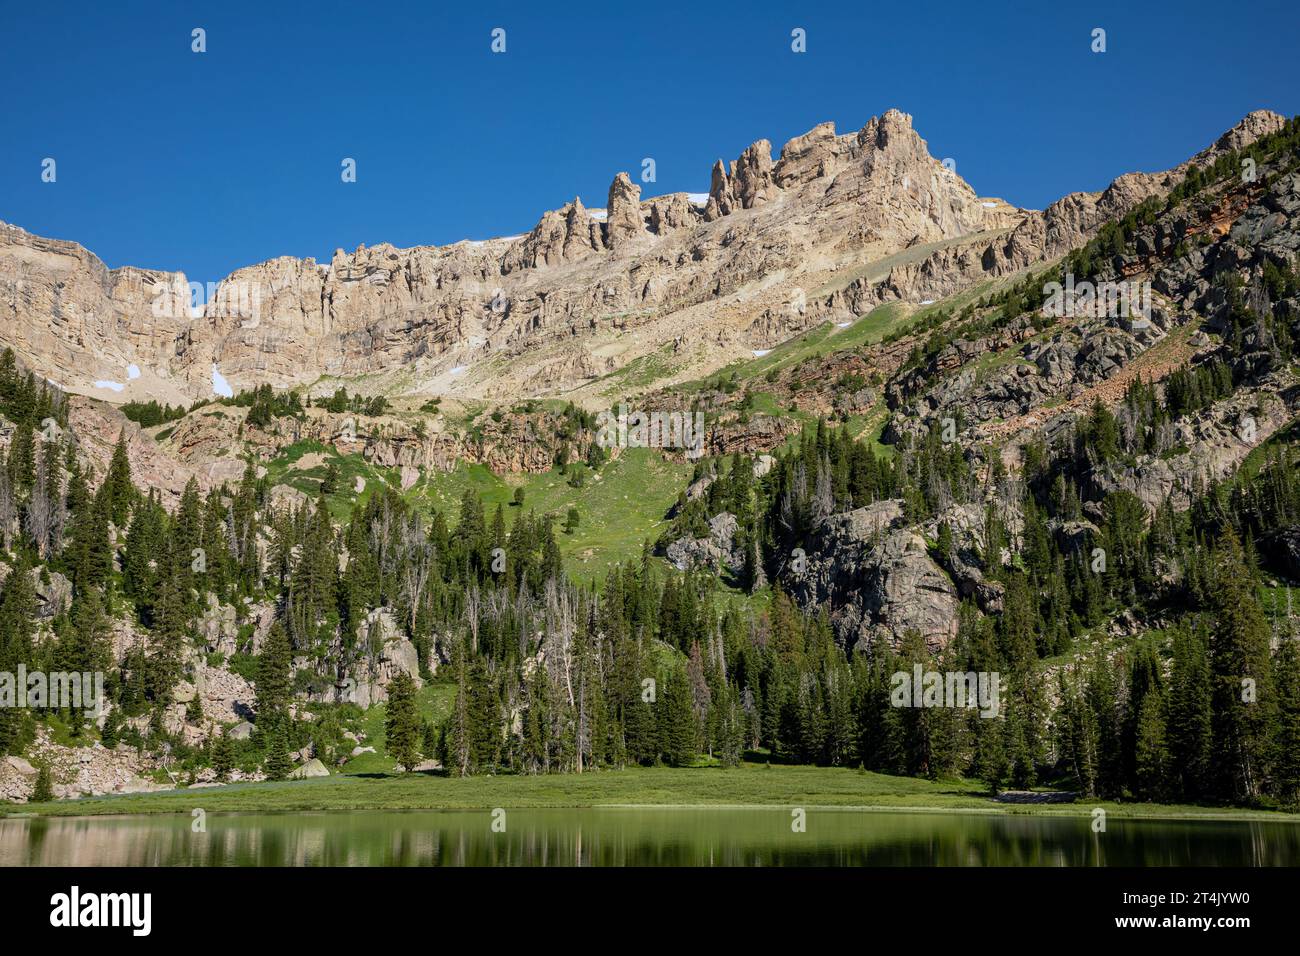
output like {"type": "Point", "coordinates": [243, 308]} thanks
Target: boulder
{"type": "Point", "coordinates": [21, 765]}
{"type": "Point", "coordinates": [312, 768]}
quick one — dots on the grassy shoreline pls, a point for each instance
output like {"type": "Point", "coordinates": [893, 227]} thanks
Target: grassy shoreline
{"type": "Point", "coordinates": [751, 786]}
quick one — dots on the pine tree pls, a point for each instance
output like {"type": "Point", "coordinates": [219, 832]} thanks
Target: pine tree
{"type": "Point", "coordinates": [1190, 730]}
{"type": "Point", "coordinates": [1152, 756]}
{"type": "Point", "coordinates": [402, 723]}
{"type": "Point", "coordinates": [22, 456]}
{"type": "Point", "coordinates": [43, 790]}
{"type": "Point", "coordinates": [118, 487]}
{"type": "Point", "coordinates": [1244, 704]}
{"type": "Point", "coordinates": [677, 729]}
{"type": "Point", "coordinates": [274, 685]}
{"type": "Point", "coordinates": [223, 757]}
{"type": "Point", "coordinates": [460, 757]}
{"type": "Point", "coordinates": [277, 764]}
{"type": "Point", "coordinates": [1288, 737]}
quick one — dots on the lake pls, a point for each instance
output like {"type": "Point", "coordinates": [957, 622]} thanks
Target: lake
{"type": "Point", "coordinates": [717, 836]}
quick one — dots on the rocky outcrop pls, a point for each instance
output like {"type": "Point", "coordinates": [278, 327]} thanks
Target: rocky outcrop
{"type": "Point", "coordinates": [53, 593]}
{"type": "Point", "coordinates": [217, 627]}
{"type": "Point", "coordinates": [98, 425]}
{"type": "Point", "coordinates": [964, 562]}
{"type": "Point", "coordinates": [718, 552]}
{"type": "Point", "coordinates": [878, 578]}
{"type": "Point", "coordinates": [386, 652]}
{"type": "Point", "coordinates": [748, 183]}
{"type": "Point", "coordinates": [75, 771]}
{"type": "Point", "coordinates": [224, 695]}
{"type": "Point", "coordinates": [1040, 236]}
{"type": "Point", "coordinates": [625, 222]}
{"type": "Point", "coordinates": [1213, 444]}
{"type": "Point", "coordinates": [829, 206]}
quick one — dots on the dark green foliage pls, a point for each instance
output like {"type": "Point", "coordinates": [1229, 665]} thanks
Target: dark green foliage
{"type": "Point", "coordinates": [43, 789]}
{"type": "Point", "coordinates": [402, 728]}
{"type": "Point", "coordinates": [277, 764]}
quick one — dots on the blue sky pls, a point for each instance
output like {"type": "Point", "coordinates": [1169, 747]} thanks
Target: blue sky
{"type": "Point", "coordinates": [206, 162]}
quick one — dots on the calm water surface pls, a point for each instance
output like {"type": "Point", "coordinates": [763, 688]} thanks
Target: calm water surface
{"type": "Point", "coordinates": [641, 837]}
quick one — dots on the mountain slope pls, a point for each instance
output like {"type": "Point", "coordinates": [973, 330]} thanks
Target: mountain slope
{"type": "Point", "coordinates": [837, 225]}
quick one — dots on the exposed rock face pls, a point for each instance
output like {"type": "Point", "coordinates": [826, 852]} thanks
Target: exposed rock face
{"type": "Point", "coordinates": [878, 577]}
{"type": "Point", "coordinates": [965, 524]}
{"type": "Point", "coordinates": [550, 301]}
{"type": "Point", "coordinates": [97, 426]}
{"type": "Point", "coordinates": [1065, 224]}
{"type": "Point", "coordinates": [748, 184]}
{"type": "Point", "coordinates": [554, 303]}
{"type": "Point", "coordinates": [1216, 440]}
{"type": "Point", "coordinates": [224, 695]}
{"type": "Point", "coordinates": [1192, 252]}
{"type": "Point", "coordinates": [1065, 365]}
{"type": "Point", "coordinates": [672, 212]}
{"type": "Point", "coordinates": [53, 593]}
{"type": "Point", "coordinates": [807, 157]}
{"type": "Point", "coordinates": [718, 551]}
{"type": "Point", "coordinates": [218, 627]}
{"type": "Point", "coordinates": [387, 652]}
{"type": "Point", "coordinates": [625, 221]}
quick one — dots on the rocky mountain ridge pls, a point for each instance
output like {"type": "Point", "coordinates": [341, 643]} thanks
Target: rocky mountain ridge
{"type": "Point", "coordinates": [835, 225]}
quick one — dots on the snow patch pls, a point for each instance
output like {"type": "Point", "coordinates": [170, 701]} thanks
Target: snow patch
{"type": "Point", "coordinates": [132, 372]}
{"type": "Point", "coordinates": [989, 205]}
{"type": "Point", "coordinates": [219, 384]}
{"type": "Point", "coordinates": [927, 301]}
{"type": "Point", "coordinates": [115, 386]}
{"type": "Point", "coordinates": [759, 353]}
{"type": "Point", "coordinates": [842, 325]}
{"type": "Point", "coordinates": [698, 199]}
{"type": "Point", "coordinates": [460, 370]}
